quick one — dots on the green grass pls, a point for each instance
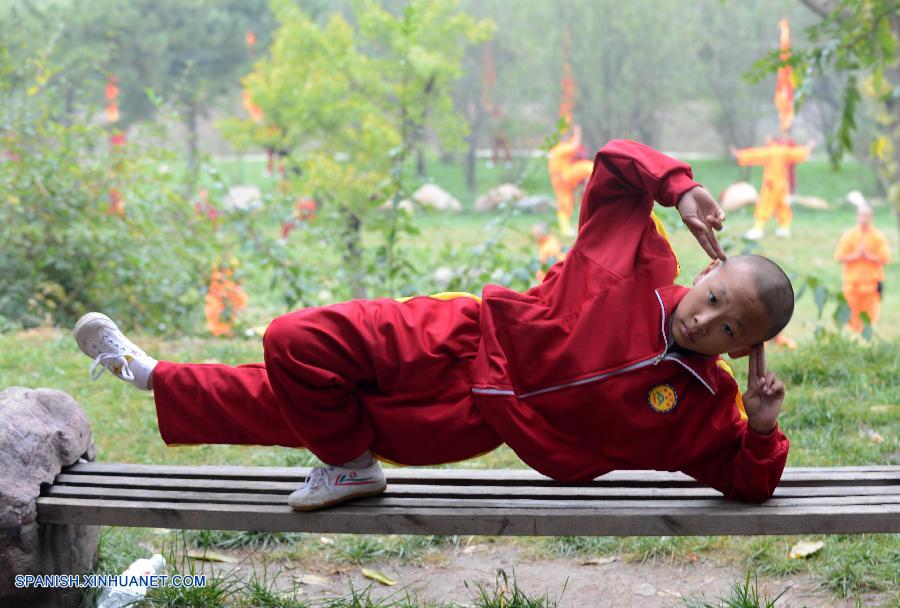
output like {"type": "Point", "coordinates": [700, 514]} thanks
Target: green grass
{"type": "Point", "coordinates": [837, 388]}
{"type": "Point", "coordinates": [743, 594]}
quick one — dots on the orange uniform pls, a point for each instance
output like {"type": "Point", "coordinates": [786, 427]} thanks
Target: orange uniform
{"type": "Point", "coordinates": [549, 248]}
{"type": "Point", "coordinates": [775, 159]}
{"type": "Point", "coordinates": [565, 174]}
{"type": "Point", "coordinates": [861, 276]}
{"type": "Point", "coordinates": [224, 299]}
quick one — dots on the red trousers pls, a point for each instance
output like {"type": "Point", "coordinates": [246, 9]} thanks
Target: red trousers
{"type": "Point", "coordinates": [366, 374]}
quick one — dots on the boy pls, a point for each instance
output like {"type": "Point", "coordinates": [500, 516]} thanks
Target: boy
{"type": "Point", "coordinates": [604, 365]}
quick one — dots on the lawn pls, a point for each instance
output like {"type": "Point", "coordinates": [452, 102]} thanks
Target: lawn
{"type": "Point", "coordinates": [841, 390]}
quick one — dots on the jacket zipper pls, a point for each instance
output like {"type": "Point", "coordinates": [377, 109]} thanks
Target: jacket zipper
{"type": "Point", "coordinates": [629, 368]}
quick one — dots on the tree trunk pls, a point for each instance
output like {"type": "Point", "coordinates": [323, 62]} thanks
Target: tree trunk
{"type": "Point", "coordinates": [474, 117]}
{"type": "Point", "coordinates": [353, 259]}
{"type": "Point", "coordinates": [421, 171]}
{"type": "Point", "coordinates": [193, 153]}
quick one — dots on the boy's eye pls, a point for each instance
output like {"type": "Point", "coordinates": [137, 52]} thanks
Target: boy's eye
{"type": "Point", "coordinates": [728, 330]}
{"type": "Point", "coordinates": [712, 298]}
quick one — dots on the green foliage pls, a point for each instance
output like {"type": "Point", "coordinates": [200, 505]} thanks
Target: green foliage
{"type": "Point", "coordinates": [743, 595]}
{"type": "Point", "coordinates": [64, 252]}
{"type": "Point", "coordinates": [508, 594]}
{"type": "Point", "coordinates": [844, 40]}
{"type": "Point", "coordinates": [359, 98]}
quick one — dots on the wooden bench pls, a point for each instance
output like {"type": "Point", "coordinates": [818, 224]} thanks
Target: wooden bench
{"type": "Point", "coordinates": [483, 502]}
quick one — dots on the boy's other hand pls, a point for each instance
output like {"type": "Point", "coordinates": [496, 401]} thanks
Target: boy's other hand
{"type": "Point", "coordinates": [764, 395]}
{"type": "Point", "coordinates": [702, 215]}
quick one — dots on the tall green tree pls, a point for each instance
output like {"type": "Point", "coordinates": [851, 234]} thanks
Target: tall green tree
{"type": "Point", "coordinates": [351, 103]}
{"type": "Point", "coordinates": [860, 39]}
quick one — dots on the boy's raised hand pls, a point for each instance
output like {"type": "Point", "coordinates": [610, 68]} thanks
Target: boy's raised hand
{"type": "Point", "coordinates": [764, 395]}
{"type": "Point", "coordinates": [701, 214]}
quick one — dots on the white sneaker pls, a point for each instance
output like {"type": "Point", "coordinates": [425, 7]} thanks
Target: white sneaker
{"type": "Point", "coordinates": [326, 486]}
{"type": "Point", "coordinates": [783, 232]}
{"type": "Point", "coordinates": [100, 339]}
{"type": "Point", "coordinates": [754, 234]}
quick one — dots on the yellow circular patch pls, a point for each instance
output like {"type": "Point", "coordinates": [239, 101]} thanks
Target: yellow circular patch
{"type": "Point", "coordinates": [662, 398]}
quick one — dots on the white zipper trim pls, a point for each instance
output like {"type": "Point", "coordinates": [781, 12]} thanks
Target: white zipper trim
{"type": "Point", "coordinates": [676, 359]}
{"type": "Point", "coordinates": [551, 389]}
{"type": "Point", "coordinates": [493, 391]}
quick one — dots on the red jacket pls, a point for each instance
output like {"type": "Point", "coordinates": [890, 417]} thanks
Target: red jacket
{"type": "Point", "coordinates": [575, 374]}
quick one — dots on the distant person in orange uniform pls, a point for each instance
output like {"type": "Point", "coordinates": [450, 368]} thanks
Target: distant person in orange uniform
{"type": "Point", "coordinates": [863, 250]}
{"type": "Point", "coordinates": [776, 159]}
{"type": "Point", "coordinates": [223, 301]}
{"type": "Point", "coordinates": [550, 250]}
{"type": "Point", "coordinates": [566, 173]}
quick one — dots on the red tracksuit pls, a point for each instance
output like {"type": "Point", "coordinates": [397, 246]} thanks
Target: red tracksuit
{"type": "Point", "coordinates": [575, 375]}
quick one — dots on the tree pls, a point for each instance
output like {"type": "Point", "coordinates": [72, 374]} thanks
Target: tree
{"type": "Point", "coordinates": [858, 38]}
{"type": "Point", "coordinates": [351, 104]}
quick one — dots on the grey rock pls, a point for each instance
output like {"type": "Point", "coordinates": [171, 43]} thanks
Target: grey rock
{"type": "Point", "coordinates": [536, 204]}
{"type": "Point", "coordinates": [504, 193]}
{"type": "Point", "coordinates": [41, 430]}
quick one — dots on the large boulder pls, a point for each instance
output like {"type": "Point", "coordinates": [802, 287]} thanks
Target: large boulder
{"type": "Point", "coordinates": [435, 197]}
{"type": "Point", "coordinates": [856, 199]}
{"type": "Point", "coordinates": [41, 431]}
{"type": "Point", "coordinates": [809, 202]}
{"type": "Point", "coordinates": [243, 198]}
{"type": "Point", "coordinates": [504, 193]}
{"type": "Point", "coordinates": [737, 195]}
{"type": "Point", "coordinates": [536, 203]}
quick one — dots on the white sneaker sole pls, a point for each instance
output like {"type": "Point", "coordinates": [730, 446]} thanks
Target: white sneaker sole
{"type": "Point", "coordinates": [339, 499]}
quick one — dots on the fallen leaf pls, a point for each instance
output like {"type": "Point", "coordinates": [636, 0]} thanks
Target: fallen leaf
{"type": "Point", "coordinates": [599, 561]}
{"type": "Point", "coordinates": [871, 434]}
{"type": "Point", "coordinates": [375, 575]}
{"type": "Point", "coordinates": [326, 540]}
{"type": "Point", "coordinates": [881, 409]}
{"type": "Point", "coordinates": [805, 548]}
{"type": "Point", "coordinates": [210, 556]}
{"type": "Point", "coordinates": [312, 579]}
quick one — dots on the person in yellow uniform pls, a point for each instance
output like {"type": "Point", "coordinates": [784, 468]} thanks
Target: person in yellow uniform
{"type": "Point", "coordinates": [566, 173]}
{"type": "Point", "coordinates": [775, 158]}
{"type": "Point", "coordinates": [863, 250]}
{"type": "Point", "coordinates": [550, 250]}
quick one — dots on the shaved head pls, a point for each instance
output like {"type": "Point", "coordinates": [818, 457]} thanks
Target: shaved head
{"type": "Point", "coordinates": [773, 287]}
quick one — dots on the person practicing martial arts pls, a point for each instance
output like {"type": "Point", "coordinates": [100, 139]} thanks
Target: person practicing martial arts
{"type": "Point", "coordinates": [605, 365]}
{"type": "Point", "coordinates": [863, 250]}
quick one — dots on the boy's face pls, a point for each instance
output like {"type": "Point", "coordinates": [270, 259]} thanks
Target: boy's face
{"type": "Point", "coordinates": [721, 313]}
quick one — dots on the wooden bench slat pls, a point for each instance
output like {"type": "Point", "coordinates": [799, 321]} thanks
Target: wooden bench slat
{"type": "Point", "coordinates": [281, 488]}
{"type": "Point", "coordinates": [471, 501]}
{"type": "Point", "coordinates": [88, 493]}
{"type": "Point", "coordinates": [827, 475]}
{"type": "Point", "coordinates": [691, 520]}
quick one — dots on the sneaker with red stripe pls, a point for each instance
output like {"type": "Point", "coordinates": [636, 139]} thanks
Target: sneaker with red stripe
{"type": "Point", "coordinates": [326, 486]}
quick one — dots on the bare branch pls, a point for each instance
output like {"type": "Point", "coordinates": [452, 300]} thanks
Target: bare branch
{"type": "Point", "coordinates": [817, 7]}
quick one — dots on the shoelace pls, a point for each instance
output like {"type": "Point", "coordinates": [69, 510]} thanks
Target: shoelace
{"type": "Point", "coordinates": [318, 477]}
{"type": "Point", "coordinates": [104, 358]}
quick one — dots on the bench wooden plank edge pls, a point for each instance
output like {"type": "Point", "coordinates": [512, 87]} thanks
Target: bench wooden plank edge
{"type": "Point", "coordinates": [264, 490]}
{"type": "Point", "coordinates": [387, 499]}
{"type": "Point", "coordinates": [676, 521]}
{"type": "Point", "coordinates": [880, 474]}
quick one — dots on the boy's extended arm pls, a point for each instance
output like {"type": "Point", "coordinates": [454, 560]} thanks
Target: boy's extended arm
{"type": "Point", "coordinates": [628, 176]}
{"type": "Point", "coordinates": [628, 169]}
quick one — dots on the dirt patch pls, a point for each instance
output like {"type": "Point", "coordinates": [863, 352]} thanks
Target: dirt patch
{"type": "Point", "coordinates": [605, 582]}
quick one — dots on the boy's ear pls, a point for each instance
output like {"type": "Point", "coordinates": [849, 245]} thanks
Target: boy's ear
{"type": "Point", "coordinates": [737, 354]}
{"type": "Point", "coordinates": [712, 266]}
